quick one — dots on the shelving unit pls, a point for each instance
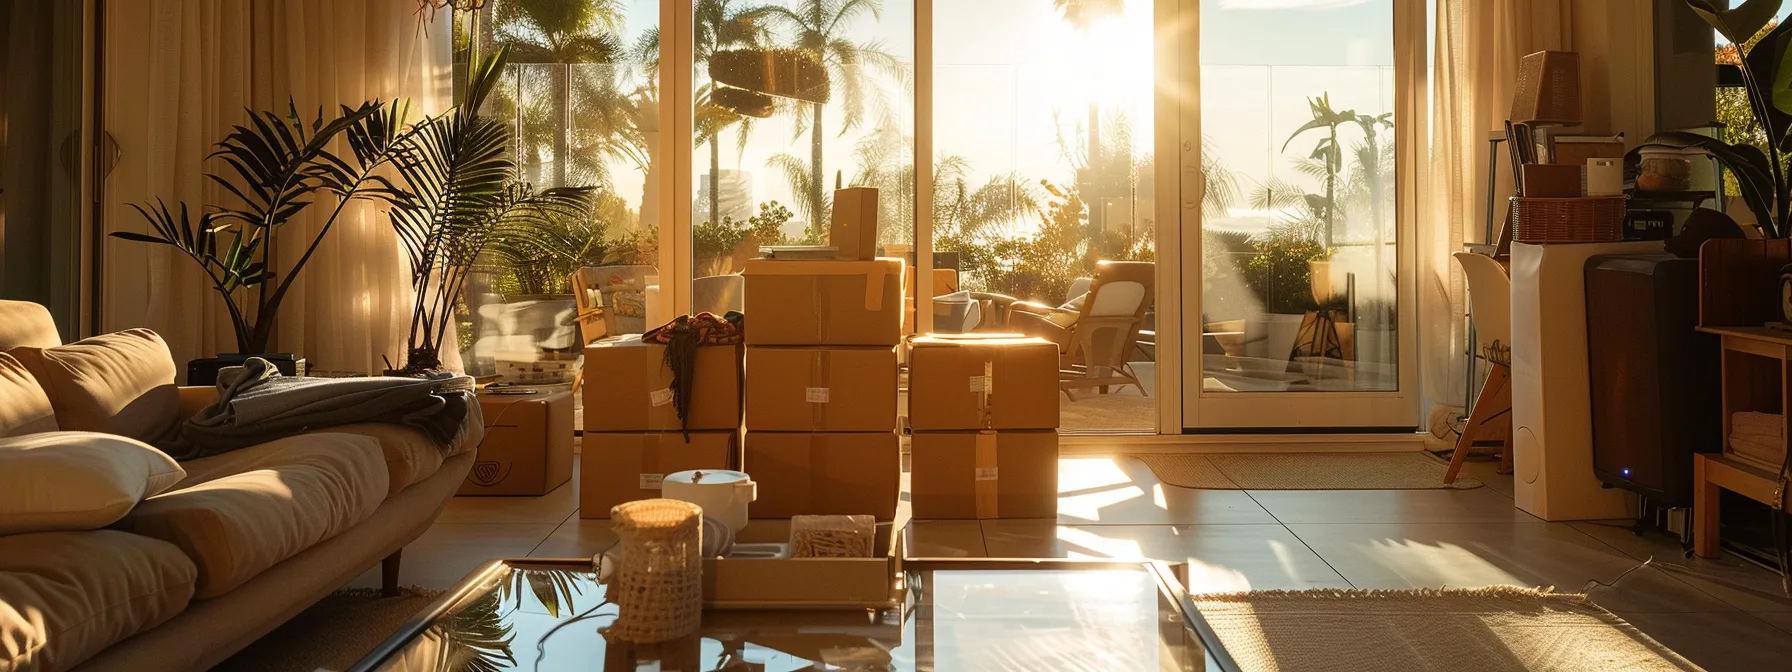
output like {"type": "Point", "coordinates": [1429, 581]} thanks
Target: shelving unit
{"type": "Point", "coordinates": [1747, 386]}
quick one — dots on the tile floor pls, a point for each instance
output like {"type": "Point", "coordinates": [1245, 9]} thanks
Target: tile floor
{"type": "Point", "coordinates": [1722, 614]}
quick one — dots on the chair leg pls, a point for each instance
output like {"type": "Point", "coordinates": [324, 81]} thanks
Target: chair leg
{"type": "Point", "coordinates": [1486, 406]}
{"type": "Point", "coordinates": [389, 574]}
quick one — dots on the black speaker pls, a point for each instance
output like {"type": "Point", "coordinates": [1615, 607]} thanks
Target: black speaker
{"type": "Point", "coordinates": [1656, 391]}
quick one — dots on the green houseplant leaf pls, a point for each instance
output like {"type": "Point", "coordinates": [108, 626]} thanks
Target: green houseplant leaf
{"type": "Point", "coordinates": [1736, 24]}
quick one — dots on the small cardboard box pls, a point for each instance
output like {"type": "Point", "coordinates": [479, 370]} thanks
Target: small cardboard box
{"type": "Point", "coordinates": [853, 230]}
{"type": "Point", "coordinates": [945, 281]}
{"type": "Point", "coordinates": [628, 387]}
{"type": "Point", "coordinates": [527, 448]}
{"type": "Point", "coordinates": [982, 381]}
{"type": "Point", "coordinates": [624, 467]}
{"type": "Point", "coordinates": [824, 302]}
{"type": "Point", "coordinates": [821, 389]}
{"type": "Point", "coordinates": [824, 473]}
{"type": "Point", "coordinates": [805, 582]}
{"type": "Point", "coordinates": [988, 474]}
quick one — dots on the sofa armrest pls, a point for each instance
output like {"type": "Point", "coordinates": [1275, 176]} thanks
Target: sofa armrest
{"type": "Point", "coordinates": [194, 398]}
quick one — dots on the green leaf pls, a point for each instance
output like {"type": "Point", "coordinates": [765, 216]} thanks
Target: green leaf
{"type": "Point", "coordinates": [1736, 24]}
{"type": "Point", "coordinates": [139, 237]}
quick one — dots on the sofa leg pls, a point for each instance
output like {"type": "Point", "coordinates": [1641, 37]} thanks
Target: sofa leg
{"type": "Point", "coordinates": [389, 574]}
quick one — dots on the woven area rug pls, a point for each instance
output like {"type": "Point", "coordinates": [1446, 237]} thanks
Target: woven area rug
{"type": "Point", "coordinates": [1485, 629]}
{"type": "Point", "coordinates": [333, 634]}
{"type": "Point", "coordinates": [1305, 471]}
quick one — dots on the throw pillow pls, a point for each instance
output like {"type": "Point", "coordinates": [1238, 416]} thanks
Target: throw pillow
{"type": "Point", "coordinates": [77, 480]}
{"type": "Point", "coordinates": [24, 408]}
{"type": "Point", "coordinates": [119, 383]}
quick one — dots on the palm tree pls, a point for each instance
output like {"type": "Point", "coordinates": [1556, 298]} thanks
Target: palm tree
{"type": "Point", "coordinates": [716, 25]}
{"type": "Point", "coordinates": [1328, 154]}
{"type": "Point", "coordinates": [1084, 13]}
{"type": "Point", "coordinates": [561, 32]}
{"type": "Point", "coordinates": [819, 27]}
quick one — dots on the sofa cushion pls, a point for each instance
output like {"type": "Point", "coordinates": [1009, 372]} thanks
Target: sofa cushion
{"type": "Point", "coordinates": [119, 383]}
{"type": "Point", "coordinates": [77, 480]}
{"type": "Point", "coordinates": [264, 504]}
{"type": "Point", "coordinates": [24, 407]}
{"type": "Point", "coordinates": [65, 596]}
{"type": "Point", "coordinates": [26, 324]}
{"type": "Point", "coordinates": [411, 455]}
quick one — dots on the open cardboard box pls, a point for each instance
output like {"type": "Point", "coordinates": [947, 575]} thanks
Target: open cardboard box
{"type": "Point", "coordinates": [806, 583]}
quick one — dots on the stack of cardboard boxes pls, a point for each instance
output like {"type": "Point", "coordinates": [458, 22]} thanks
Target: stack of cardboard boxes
{"type": "Point", "coordinates": [822, 375]}
{"type": "Point", "coordinates": [984, 410]}
{"type": "Point", "coordinates": [633, 436]}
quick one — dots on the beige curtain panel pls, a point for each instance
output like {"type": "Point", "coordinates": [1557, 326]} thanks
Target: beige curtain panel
{"type": "Point", "coordinates": [178, 74]}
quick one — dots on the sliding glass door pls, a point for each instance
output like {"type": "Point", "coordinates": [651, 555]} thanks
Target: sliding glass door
{"type": "Point", "coordinates": [1194, 198]}
{"type": "Point", "coordinates": [1299, 287]}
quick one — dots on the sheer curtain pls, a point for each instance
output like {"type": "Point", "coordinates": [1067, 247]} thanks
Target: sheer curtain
{"type": "Point", "coordinates": [1472, 76]}
{"type": "Point", "coordinates": [179, 74]}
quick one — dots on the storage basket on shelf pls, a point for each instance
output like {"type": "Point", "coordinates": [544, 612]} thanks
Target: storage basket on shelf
{"type": "Point", "coordinates": [1588, 219]}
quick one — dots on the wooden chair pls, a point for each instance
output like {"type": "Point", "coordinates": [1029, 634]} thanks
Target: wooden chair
{"type": "Point", "coordinates": [1096, 330]}
{"type": "Point", "coordinates": [1491, 290]}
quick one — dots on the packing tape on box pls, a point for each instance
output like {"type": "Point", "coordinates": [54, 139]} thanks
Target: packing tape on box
{"type": "Point", "coordinates": [986, 388]}
{"type": "Point", "coordinates": [986, 475]}
{"type": "Point", "coordinates": [818, 393]}
{"type": "Point", "coordinates": [818, 469]}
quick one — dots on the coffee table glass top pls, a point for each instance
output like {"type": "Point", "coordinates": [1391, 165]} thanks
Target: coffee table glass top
{"type": "Point", "coordinates": [1036, 617]}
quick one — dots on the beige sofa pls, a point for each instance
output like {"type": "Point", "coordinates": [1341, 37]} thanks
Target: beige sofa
{"type": "Point", "coordinates": [244, 542]}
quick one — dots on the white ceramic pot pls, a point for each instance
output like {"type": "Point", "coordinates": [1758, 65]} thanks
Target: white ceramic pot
{"type": "Point", "coordinates": [723, 495]}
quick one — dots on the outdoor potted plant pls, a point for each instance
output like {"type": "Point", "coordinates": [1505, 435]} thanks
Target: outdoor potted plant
{"type": "Point", "coordinates": [1280, 273]}
{"type": "Point", "coordinates": [276, 167]}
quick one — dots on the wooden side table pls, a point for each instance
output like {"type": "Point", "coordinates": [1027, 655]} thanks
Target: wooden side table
{"type": "Point", "coordinates": [1750, 383]}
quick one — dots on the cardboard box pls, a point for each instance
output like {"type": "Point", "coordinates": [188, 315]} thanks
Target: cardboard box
{"type": "Point", "coordinates": [824, 302]}
{"type": "Point", "coordinates": [988, 474]}
{"type": "Point", "coordinates": [945, 281]}
{"type": "Point", "coordinates": [806, 582]}
{"type": "Point", "coordinates": [982, 381]}
{"type": "Point", "coordinates": [821, 389]}
{"type": "Point", "coordinates": [624, 467]}
{"type": "Point", "coordinates": [824, 473]}
{"type": "Point", "coordinates": [853, 229]}
{"type": "Point", "coordinates": [527, 449]}
{"type": "Point", "coordinates": [629, 389]}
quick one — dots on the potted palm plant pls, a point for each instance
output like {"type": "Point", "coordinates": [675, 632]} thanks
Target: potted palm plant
{"type": "Point", "coordinates": [277, 168]}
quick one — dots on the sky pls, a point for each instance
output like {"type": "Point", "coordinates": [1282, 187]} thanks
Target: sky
{"type": "Point", "coordinates": [1012, 75]}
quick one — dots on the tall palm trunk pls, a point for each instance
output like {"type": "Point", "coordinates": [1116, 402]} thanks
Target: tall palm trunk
{"type": "Point", "coordinates": [816, 181]}
{"type": "Point", "coordinates": [1334, 163]}
{"type": "Point", "coordinates": [715, 179]}
{"type": "Point", "coordinates": [563, 122]}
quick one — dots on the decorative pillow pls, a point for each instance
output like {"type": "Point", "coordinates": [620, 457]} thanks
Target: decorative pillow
{"type": "Point", "coordinates": [77, 480]}
{"type": "Point", "coordinates": [24, 408]}
{"type": "Point", "coordinates": [119, 383]}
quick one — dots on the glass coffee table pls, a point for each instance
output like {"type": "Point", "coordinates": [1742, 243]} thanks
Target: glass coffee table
{"type": "Point", "coordinates": [1036, 616]}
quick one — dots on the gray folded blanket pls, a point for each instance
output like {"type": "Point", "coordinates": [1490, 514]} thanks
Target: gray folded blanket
{"type": "Point", "coordinates": [256, 405]}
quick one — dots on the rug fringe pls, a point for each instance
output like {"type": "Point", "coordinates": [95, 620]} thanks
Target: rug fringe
{"type": "Point", "coordinates": [407, 591]}
{"type": "Point", "coordinates": [1393, 593]}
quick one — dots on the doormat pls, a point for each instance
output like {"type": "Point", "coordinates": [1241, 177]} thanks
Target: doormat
{"type": "Point", "coordinates": [1304, 471]}
{"type": "Point", "coordinates": [1493, 628]}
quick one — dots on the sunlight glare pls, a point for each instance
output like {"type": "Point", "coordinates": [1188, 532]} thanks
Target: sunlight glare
{"type": "Point", "coordinates": [1089, 473]}
{"type": "Point", "coordinates": [1124, 549]}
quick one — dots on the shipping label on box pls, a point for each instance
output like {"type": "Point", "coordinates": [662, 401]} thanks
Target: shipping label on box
{"type": "Point", "coordinates": [527, 448]}
{"type": "Point", "coordinates": [975, 381]}
{"type": "Point", "coordinates": [824, 473]}
{"type": "Point", "coordinates": [824, 302]}
{"type": "Point", "coordinates": [629, 466]}
{"type": "Point", "coordinates": [821, 389]}
{"type": "Point", "coordinates": [628, 387]}
{"type": "Point", "coordinates": [988, 474]}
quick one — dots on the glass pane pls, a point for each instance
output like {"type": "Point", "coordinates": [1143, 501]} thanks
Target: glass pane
{"type": "Point", "coordinates": [1043, 131]}
{"type": "Point", "coordinates": [581, 96]}
{"type": "Point", "coordinates": [769, 148]}
{"type": "Point", "coordinates": [40, 168]}
{"type": "Point", "coordinates": [1298, 230]}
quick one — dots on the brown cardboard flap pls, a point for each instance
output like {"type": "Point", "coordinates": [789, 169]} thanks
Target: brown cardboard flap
{"type": "Point", "coordinates": [821, 389]}
{"type": "Point", "coordinates": [824, 302]}
{"type": "Point", "coordinates": [982, 381]}
{"type": "Point", "coordinates": [624, 467]}
{"type": "Point", "coordinates": [627, 388]}
{"type": "Point", "coordinates": [948, 479]}
{"type": "Point", "coordinates": [824, 473]}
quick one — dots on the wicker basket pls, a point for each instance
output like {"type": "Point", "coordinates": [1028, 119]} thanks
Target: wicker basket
{"type": "Point", "coordinates": [1568, 220]}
